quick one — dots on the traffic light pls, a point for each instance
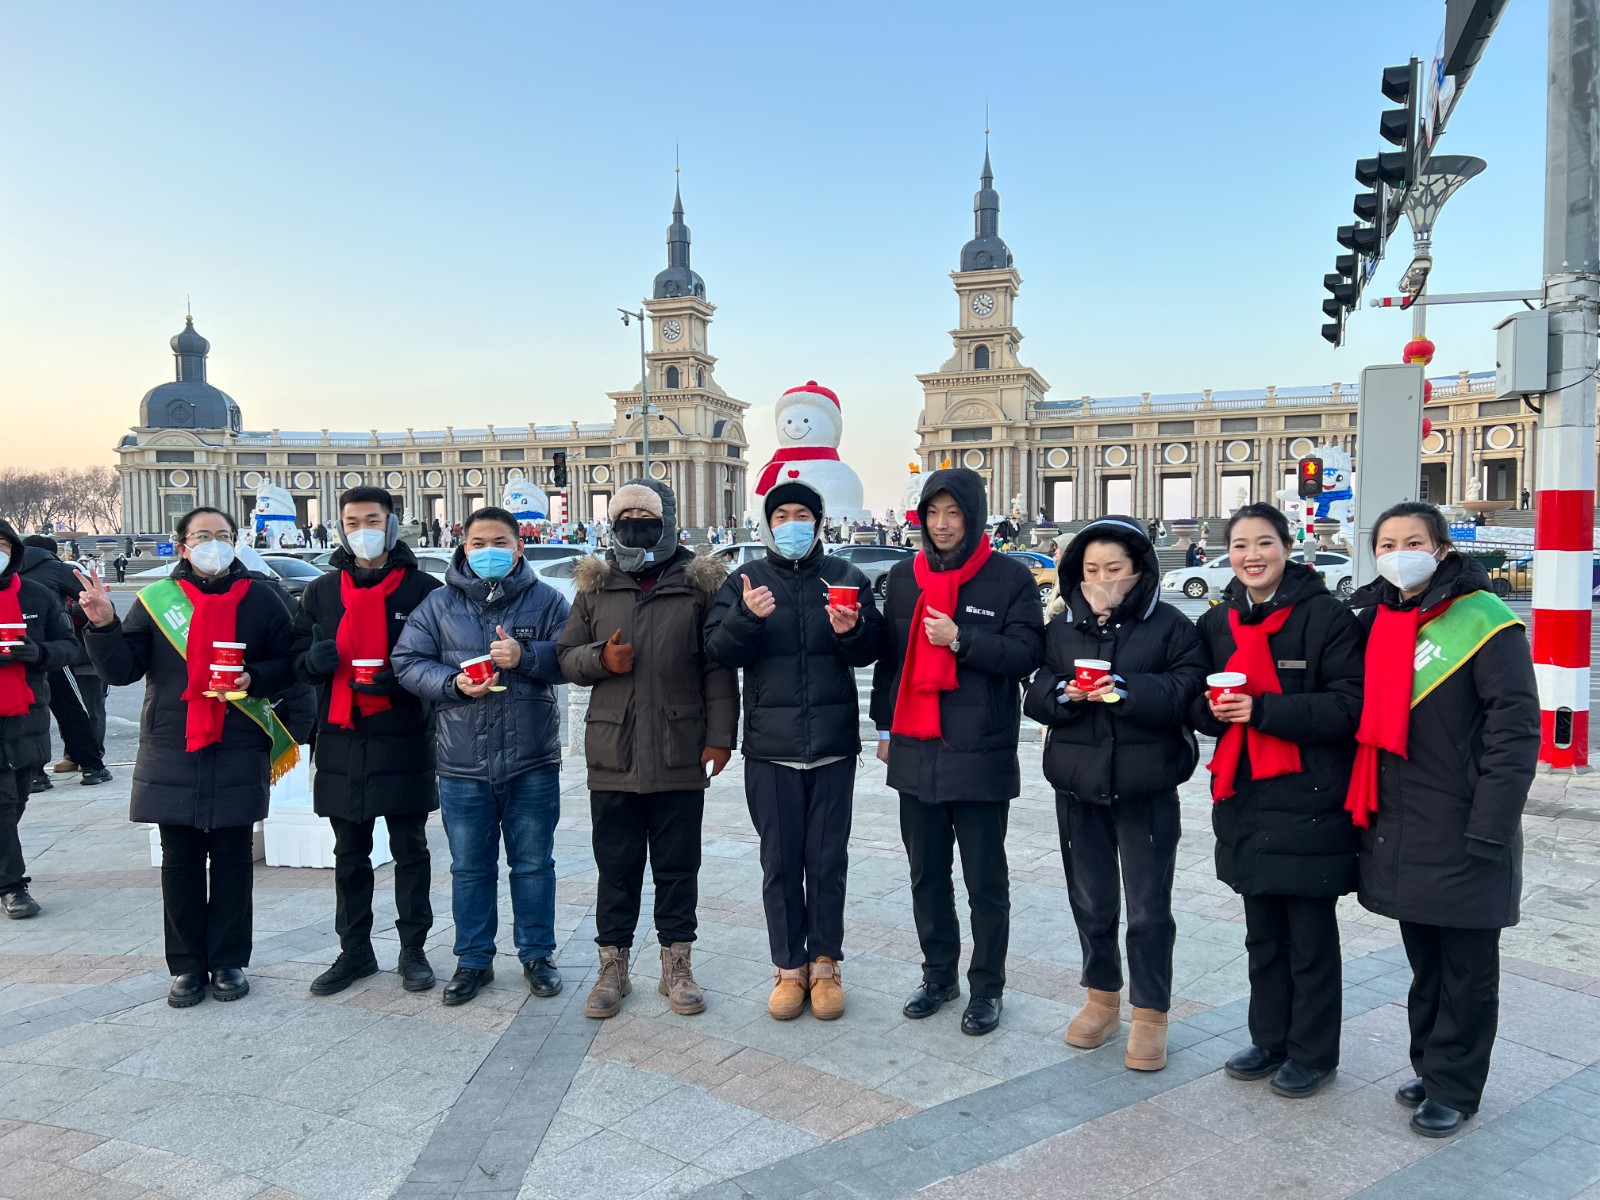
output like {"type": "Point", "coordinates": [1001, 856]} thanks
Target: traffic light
{"type": "Point", "coordinates": [1398, 126]}
{"type": "Point", "coordinates": [558, 468]}
{"type": "Point", "coordinates": [1310, 478]}
{"type": "Point", "coordinates": [1344, 288]}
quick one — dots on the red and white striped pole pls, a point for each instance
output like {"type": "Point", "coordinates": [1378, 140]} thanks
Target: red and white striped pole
{"type": "Point", "coordinates": [1563, 557]}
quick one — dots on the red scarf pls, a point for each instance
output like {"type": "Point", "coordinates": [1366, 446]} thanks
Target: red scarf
{"type": "Point", "coordinates": [16, 697]}
{"type": "Point", "coordinates": [782, 457]}
{"type": "Point", "coordinates": [216, 619]}
{"type": "Point", "coordinates": [929, 669]}
{"type": "Point", "coordinates": [364, 633]}
{"type": "Point", "coordinates": [1270, 756]}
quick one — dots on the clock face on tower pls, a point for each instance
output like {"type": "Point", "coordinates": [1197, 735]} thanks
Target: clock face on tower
{"type": "Point", "coordinates": [983, 304]}
{"type": "Point", "coordinates": [672, 330]}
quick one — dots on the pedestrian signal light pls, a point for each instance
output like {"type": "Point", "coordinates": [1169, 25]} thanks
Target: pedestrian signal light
{"type": "Point", "coordinates": [558, 468]}
{"type": "Point", "coordinates": [1310, 478]}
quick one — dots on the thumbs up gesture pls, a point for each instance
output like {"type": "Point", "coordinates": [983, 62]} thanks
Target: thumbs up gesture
{"type": "Point", "coordinates": [616, 655]}
{"type": "Point", "coordinates": [322, 656]}
{"type": "Point", "coordinates": [758, 600]}
{"type": "Point", "coordinates": [505, 651]}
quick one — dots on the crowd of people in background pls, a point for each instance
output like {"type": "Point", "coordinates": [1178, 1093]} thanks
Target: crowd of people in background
{"type": "Point", "coordinates": [1383, 747]}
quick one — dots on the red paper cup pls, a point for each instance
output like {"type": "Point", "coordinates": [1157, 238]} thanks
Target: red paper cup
{"type": "Point", "coordinates": [1090, 671]}
{"type": "Point", "coordinates": [11, 635]}
{"type": "Point", "coordinates": [366, 668]}
{"type": "Point", "coordinates": [844, 597]}
{"type": "Point", "coordinates": [230, 654]}
{"type": "Point", "coordinates": [1224, 684]}
{"type": "Point", "coordinates": [7, 647]}
{"type": "Point", "coordinates": [478, 670]}
{"type": "Point", "coordinates": [225, 677]}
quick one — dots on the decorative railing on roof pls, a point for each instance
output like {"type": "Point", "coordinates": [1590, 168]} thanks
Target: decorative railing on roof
{"type": "Point", "coordinates": [1479, 383]}
{"type": "Point", "coordinates": [509, 435]}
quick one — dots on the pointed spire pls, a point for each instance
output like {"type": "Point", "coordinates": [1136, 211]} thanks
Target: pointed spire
{"type": "Point", "coordinates": [985, 251]}
{"type": "Point", "coordinates": [679, 279]}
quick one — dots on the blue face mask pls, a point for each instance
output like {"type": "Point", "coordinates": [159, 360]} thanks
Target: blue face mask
{"type": "Point", "coordinates": [794, 539]}
{"type": "Point", "coordinates": [490, 562]}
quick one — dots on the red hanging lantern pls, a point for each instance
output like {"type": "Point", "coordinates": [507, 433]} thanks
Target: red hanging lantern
{"type": "Point", "coordinates": [1427, 391]}
{"type": "Point", "coordinates": [1418, 350]}
{"type": "Point", "coordinates": [1427, 427]}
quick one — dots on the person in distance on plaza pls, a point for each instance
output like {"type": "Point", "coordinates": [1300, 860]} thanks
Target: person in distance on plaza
{"type": "Point", "coordinates": [1445, 755]}
{"type": "Point", "coordinates": [964, 630]}
{"type": "Point", "coordinates": [778, 619]}
{"type": "Point", "coordinates": [1118, 746]}
{"type": "Point", "coordinates": [374, 745]}
{"type": "Point", "coordinates": [1285, 739]}
{"type": "Point", "coordinates": [661, 717]}
{"type": "Point", "coordinates": [497, 743]}
{"type": "Point", "coordinates": [29, 658]}
{"type": "Point", "coordinates": [205, 763]}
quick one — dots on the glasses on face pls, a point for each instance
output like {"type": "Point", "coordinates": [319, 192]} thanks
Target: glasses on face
{"type": "Point", "coordinates": [201, 537]}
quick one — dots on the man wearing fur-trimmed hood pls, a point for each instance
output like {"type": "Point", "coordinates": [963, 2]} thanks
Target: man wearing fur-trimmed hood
{"type": "Point", "coordinates": [662, 719]}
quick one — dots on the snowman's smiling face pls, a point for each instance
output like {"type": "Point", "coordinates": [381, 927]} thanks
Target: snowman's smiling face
{"type": "Point", "coordinates": [807, 425]}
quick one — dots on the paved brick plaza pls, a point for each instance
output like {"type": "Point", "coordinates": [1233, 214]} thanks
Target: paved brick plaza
{"type": "Point", "coordinates": [107, 1092]}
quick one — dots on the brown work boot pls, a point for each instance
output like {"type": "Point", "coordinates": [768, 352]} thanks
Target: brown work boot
{"type": "Point", "coordinates": [1147, 1040]}
{"type": "Point", "coordinates": [605, 997]}
{"type": "Point", "coordinates": [827, 990]}
{"type": "Point", "coordinates": [66, 767]}
{"type": "Point", "coordinates": [677, 980]}
{"type": "Point", "coordinates": [1097, 1020]}
{"type": "Point", "coordinates": [789, 995]}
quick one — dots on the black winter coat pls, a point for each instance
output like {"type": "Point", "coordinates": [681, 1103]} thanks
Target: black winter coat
{"type": "Point", "coordinates": [1002, 643]}
{"type": "Point", "coordinates": [801, 702]}
{"type": "Point", "coordinates": [222, 785]}
{"type": "Point", "coordinates": [382, 766]}
{"type": "Point", "coordinates": [1291, 836]}
{"type": "Point", "coordinates": [25, 739]}
{"type": "Point", "coordinates": [1445, 847]}
{"type": "Point", "coordinates": [1140, 746]}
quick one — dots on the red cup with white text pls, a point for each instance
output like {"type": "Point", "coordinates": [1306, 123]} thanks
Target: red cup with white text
{"type": "Point", "coordinates": [1089, 672]}
{"type": "Point", "coordinates": [478, 670]}
{"type": "Point", "coordinates": [1224, 684]}
{"type": "Point", "coordinates": [11, 635]}
{"type": "Point", "coordinates": [225, 677]}
{"type": "Point", "coordinates": [844, 597]}
{"type": "Point", "coordinates": [366, 669]}
{"type": "Point", "coordinates": [228, 653]}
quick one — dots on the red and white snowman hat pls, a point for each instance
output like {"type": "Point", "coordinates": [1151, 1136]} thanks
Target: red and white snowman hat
{"type": "Point", "coordinates": [824, 400]}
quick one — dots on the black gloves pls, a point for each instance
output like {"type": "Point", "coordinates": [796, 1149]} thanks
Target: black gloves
{"type": "Point", "coordinates": [383, 682]}
{"type": "Point", "coordinates": [28, 652]}
{"type": "Point", "coordinates": [322, 659]}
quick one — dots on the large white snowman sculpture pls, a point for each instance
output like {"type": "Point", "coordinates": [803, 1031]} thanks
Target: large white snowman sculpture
{"type": "Point", "coordinates": [810, 424]}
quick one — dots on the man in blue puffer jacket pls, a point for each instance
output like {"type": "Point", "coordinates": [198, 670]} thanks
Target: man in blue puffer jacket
{"type": "Point", "coordinates": [498, 744]}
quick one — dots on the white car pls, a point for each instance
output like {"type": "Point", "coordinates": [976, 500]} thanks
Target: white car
{"type": "Point", "coordinates": [1210, 577]}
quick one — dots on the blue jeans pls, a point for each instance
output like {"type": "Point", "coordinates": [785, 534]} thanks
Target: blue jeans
{"type": "Point", "coordinates": [476, 812]}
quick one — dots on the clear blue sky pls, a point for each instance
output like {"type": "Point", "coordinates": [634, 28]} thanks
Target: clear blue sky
{"type": "Point", "coordinates": [406, 214]}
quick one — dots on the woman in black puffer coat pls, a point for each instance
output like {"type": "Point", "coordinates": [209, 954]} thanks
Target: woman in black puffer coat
{"type": "Point", "coordinates": [1282, 765]}
{"type": "Point", "coordinates": [1116, 754]}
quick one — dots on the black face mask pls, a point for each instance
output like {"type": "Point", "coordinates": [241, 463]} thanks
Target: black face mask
{"type": "Point", "coordinates": [638, 533]}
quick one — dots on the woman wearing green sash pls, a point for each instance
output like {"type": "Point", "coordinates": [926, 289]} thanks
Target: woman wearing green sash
{"type": "Point", "coordinates": [1445, 755]}
{"type": "Point", "coordinates": [205, 763]}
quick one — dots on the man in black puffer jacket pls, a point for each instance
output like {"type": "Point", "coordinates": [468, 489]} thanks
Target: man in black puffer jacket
{"type": "Point", "coordinates": [802, 733]}
{"type": "Point", "coordinates": [77, 695]}
{"type": "Point", "coordinates": [1116, 755]}
{"type": "Point", "coordinates": [946, 701]}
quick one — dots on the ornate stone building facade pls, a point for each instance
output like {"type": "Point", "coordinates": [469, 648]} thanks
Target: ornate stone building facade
{"type": "Point", "coordinates": [190, 446]}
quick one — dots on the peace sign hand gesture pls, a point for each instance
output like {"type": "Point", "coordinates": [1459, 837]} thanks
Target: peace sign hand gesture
{"type": "Point", "coordinates": [95, 599]}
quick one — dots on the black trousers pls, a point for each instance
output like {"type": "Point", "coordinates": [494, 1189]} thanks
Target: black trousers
{"type": "Point", "coordinates": [13, 802]}
{"type": "Point", "coordinates": [1143, 836]}
{"type": "Point", "coordinates": [627, 827]}
{"type": "Point", "coordinates": [930, 833]}
{"type": "Point", "coordinates": [803, 820]}
{"type": "Point", "coordinates": [78, 703]}
{"type": "Point", "coordinates": [208, 929]}
{"type": "Point", "coordinates": [1296, 989]}
{"type": "Point", "coordinates": [1454, 1008]}
{"type": "Point", "coordinates": [352, 880]}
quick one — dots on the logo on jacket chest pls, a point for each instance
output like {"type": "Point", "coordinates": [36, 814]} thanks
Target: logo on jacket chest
{"type": "Point", "coordinates": [978, 612]}
{"type": "Point", "coordinates": [524, 633]}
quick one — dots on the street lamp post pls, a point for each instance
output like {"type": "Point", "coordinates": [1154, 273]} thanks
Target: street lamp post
{"type": "Point", "coordinates": [1443, 177]}
{"type": "Point", "coordinates": [644, 382]}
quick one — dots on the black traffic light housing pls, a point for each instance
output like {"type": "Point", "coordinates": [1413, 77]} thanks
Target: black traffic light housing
{"type": "Point", "coordinates": [1399, 127]}
{"type": "Point", "coordinates": [1310, 478]}
{"type": "Point", "coordinates": [558, 468]}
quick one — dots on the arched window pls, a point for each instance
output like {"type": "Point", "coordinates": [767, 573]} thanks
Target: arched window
{"type": "Point", "coordinates": [672, 377]}
{"type": "Point", "coordinates": [980, 359]}
{"type": "Point", "coordinates": [699, 377]}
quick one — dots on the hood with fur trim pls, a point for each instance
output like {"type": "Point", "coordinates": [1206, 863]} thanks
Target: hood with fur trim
{"type": "Point", "coordinates": [704, 573]}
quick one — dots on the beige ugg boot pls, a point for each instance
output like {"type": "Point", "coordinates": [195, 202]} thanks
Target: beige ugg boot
{"type": "Point", "coordinates": [788, 997]}
{"type": "Point", "coordinates": [1097, 1020]}
{"type": "Point", "coordinates": [827, 990]}
{"type": "Point", "coordinates": [677, 980]}
{"type": "Point", "coordinates": [605, 998]}
{"type": "Point", "coordinates": [1147, 1040]}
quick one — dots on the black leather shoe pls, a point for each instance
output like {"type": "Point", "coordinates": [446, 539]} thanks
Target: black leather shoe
{"type": "Point", "coordinates": [1297, 1081]}
{"type": "Point", "coordinates": [542, 976]}
{"type": "Point", "coordinates": [1410, 1094]}
{"type": "Point", "coordinates": [982, 1015]}
{"type": "Point", "coordinates": [415, 973]}
{"type": "Point", "coordinates": [229, 983]}
{"type": "Point", "coordinates": [346, 969]}
{"type": "Point", "coordinates": [90, 778]}
{"type": "Point", "coordinates": [928, 999]}
{"type": "Point", "coordinates": [1436, 1120]}
{"type": "Point", "coordinates": [19, 905]}
{"type": "Point", "coordinates": [40, 783]}
{"type": "Point", "coordinates": [187, 989]}
{"type": "Point", "coordinates": [1254, 1063]}
{"type": "Point", "coordinates": [464, 984]}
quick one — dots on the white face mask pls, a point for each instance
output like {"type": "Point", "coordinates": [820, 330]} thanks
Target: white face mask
{"type": "Point", "coordinates": [1407, 569]}
{"type": "Point", "coordinates": [211, 558]}
{"type": "Point", "coordinates": [367, 543]}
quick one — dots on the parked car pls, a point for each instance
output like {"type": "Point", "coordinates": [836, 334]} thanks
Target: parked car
{"type": "Point", "coordinates": [1043, 568]}
{"type": "Point", "coordinates": [873, 562]}
{"type": "Point", "coordinates": [740, 553]}
{"type": "Point", "coordinates": [1214, 575]}
{"type": "Point", "coordinates": [293, 573]}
